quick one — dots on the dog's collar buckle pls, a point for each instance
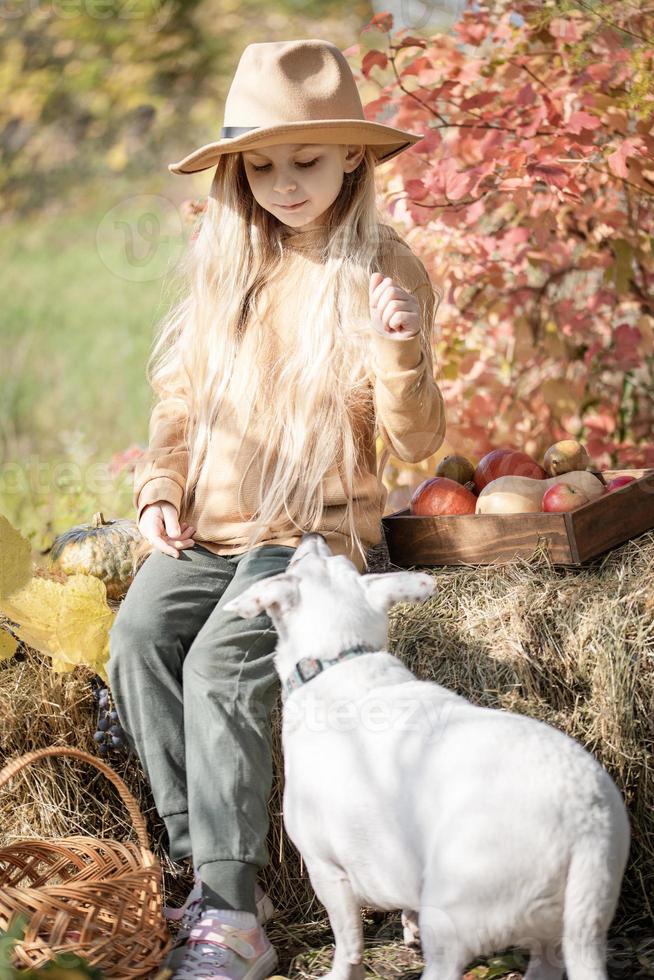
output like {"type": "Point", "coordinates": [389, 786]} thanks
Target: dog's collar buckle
{"type": "Point", "coordinates": [309, 667]}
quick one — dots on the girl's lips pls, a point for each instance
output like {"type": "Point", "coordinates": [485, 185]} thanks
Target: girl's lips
{"type": "Point", "coordinates": [292, 207]}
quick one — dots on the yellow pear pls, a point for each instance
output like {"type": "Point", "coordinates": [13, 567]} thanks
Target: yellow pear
{"type": "Point", "coordinates": [565, 456]}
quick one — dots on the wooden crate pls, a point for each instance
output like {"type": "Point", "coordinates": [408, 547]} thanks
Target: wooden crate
{"type": "Point", "coordinates": [487, 539]}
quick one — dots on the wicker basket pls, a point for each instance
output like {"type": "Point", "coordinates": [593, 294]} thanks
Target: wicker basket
{"type": "Point", "coordinates": [91, 896]}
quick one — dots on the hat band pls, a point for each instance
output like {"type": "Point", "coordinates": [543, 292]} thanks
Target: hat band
{"type": "Point", "coordinates": [227, 132]}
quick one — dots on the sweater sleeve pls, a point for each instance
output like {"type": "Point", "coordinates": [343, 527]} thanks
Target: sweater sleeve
{"type": "Point", "coordinates": [160, 473]}
{"type": "Point", "coordinates": [409, 405]}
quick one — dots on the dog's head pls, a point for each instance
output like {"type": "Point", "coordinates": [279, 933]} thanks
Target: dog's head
{"type": "Point", "coordinates": [323, 595]}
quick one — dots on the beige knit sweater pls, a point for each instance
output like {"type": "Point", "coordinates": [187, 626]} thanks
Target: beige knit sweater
{"type": "Point", "coordinates": [408, 404]}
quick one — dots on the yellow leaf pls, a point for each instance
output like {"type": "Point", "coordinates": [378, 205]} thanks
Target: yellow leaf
{"type": "Point", "coordinates": [84, 621]}
{"type": "Point", "coordinates": [15, 559]}
{"type": "Point", "coordinates": [69, 621]}
{"type": "Point", "coordinates": [8, 645]}
{"type": "Point", "coordinates": [35, 609]}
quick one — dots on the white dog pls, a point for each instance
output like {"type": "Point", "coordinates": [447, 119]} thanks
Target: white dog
{"type": "Point", "coordinates": [498, 830]}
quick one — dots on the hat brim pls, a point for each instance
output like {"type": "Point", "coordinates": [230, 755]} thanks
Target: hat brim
{"type": "Point", "coordinates": [386, 141]}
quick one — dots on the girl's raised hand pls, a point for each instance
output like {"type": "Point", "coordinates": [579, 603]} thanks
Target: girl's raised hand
{"type": "Point", "coordinates": [393, 311]}
{"type": "Point", "coordinates": [160, 525]}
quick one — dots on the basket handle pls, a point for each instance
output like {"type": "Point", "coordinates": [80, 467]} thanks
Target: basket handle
{"type": "Point", "coordinates": [132, 806]}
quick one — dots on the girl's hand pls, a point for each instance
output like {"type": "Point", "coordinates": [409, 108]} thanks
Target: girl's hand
{"type": "Point", "coordinates": [159, 524]}
{"type": "Point", "coordinates": [393, 311]}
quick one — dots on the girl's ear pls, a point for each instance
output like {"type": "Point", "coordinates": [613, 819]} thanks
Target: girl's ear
{"type": "Point", "coordinates": [276, 595]}
{"type": "Point", "coordinates": [353, 156]}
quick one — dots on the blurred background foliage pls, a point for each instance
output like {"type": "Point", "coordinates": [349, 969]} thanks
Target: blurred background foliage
{"type": "Point", "coordinates": [92, 88]}
{"type": "Point", "coordinates": [96, 98]}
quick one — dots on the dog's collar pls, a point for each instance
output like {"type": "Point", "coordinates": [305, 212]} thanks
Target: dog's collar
{"type": "Point", "coordinates": [309, 667]}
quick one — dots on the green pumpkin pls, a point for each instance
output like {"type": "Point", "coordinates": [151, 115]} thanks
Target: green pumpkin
{"type": "Point", "coordinates": [106, 549]}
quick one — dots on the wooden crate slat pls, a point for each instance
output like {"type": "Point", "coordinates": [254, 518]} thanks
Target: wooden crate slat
{"type": "Point", "coordinates": [473, 538]}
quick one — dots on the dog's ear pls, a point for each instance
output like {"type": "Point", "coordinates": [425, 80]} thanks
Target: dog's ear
{"type": "Point", "coordinates": [276, 594]}
{"type": "Point", "coordinates": [384, 590]}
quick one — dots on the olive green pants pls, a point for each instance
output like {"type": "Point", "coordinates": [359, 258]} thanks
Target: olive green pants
{"type": "Point", "coordinates": [194, 688]}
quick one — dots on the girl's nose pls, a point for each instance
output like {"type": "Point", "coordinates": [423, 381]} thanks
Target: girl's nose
{"type": "Point", "coordinates": [283, 184]}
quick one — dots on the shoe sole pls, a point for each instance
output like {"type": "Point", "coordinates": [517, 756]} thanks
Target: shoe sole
{"type": "Point", "coordinates": [264, 966]}
{"type": "Point", "coordinates": [174, 958]}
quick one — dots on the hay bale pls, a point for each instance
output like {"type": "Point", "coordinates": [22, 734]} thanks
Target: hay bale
{"type": "Point", "coordinates": [572, 647]}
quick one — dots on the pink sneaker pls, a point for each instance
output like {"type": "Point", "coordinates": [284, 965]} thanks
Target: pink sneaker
{"type": "Point", "coordinates": [218, 951]}
{"type": "Point", "coordinates": [188, 913]}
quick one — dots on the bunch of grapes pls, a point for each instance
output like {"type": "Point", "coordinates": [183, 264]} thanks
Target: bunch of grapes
{"type": "Point", "coordinates": [109, 734]}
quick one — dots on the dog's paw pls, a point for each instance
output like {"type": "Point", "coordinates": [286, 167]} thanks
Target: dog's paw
{"type": "Point", "coordinates": [410, 928]}
{"type": "Point", "coordinates": [354, 971]}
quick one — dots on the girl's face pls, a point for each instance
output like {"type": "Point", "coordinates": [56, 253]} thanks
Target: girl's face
{"type": "Point", "coordinates": [307, 174]}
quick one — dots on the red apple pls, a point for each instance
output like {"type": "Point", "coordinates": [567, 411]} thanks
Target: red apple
{"type": "Point", "coordinates": [619, 481]}
{"type": "Point", "coordinates": [506, 462]}
{"type": "Point", "coordinates": [563, 496]}
{"type": "Point", "coordinates": [438, 495]}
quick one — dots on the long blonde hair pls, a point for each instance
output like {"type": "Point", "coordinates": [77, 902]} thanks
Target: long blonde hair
{"type": "Point", "coordinates": [317, 398]}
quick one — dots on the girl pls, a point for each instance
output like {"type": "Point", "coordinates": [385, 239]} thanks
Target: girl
{"type": "Point", "coordinates": [304, 329]}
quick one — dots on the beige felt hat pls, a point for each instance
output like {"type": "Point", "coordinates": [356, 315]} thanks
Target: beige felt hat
{"type": "Point", "coordinates": [294, 92]}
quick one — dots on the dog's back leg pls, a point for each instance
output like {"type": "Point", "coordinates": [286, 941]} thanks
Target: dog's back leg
{"type": "Point", "coordinates": [332, 887]}
{"type": "Point", "coordinates": [591, 897]}
{"type": "Point", "coordinates": [443, 947]}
